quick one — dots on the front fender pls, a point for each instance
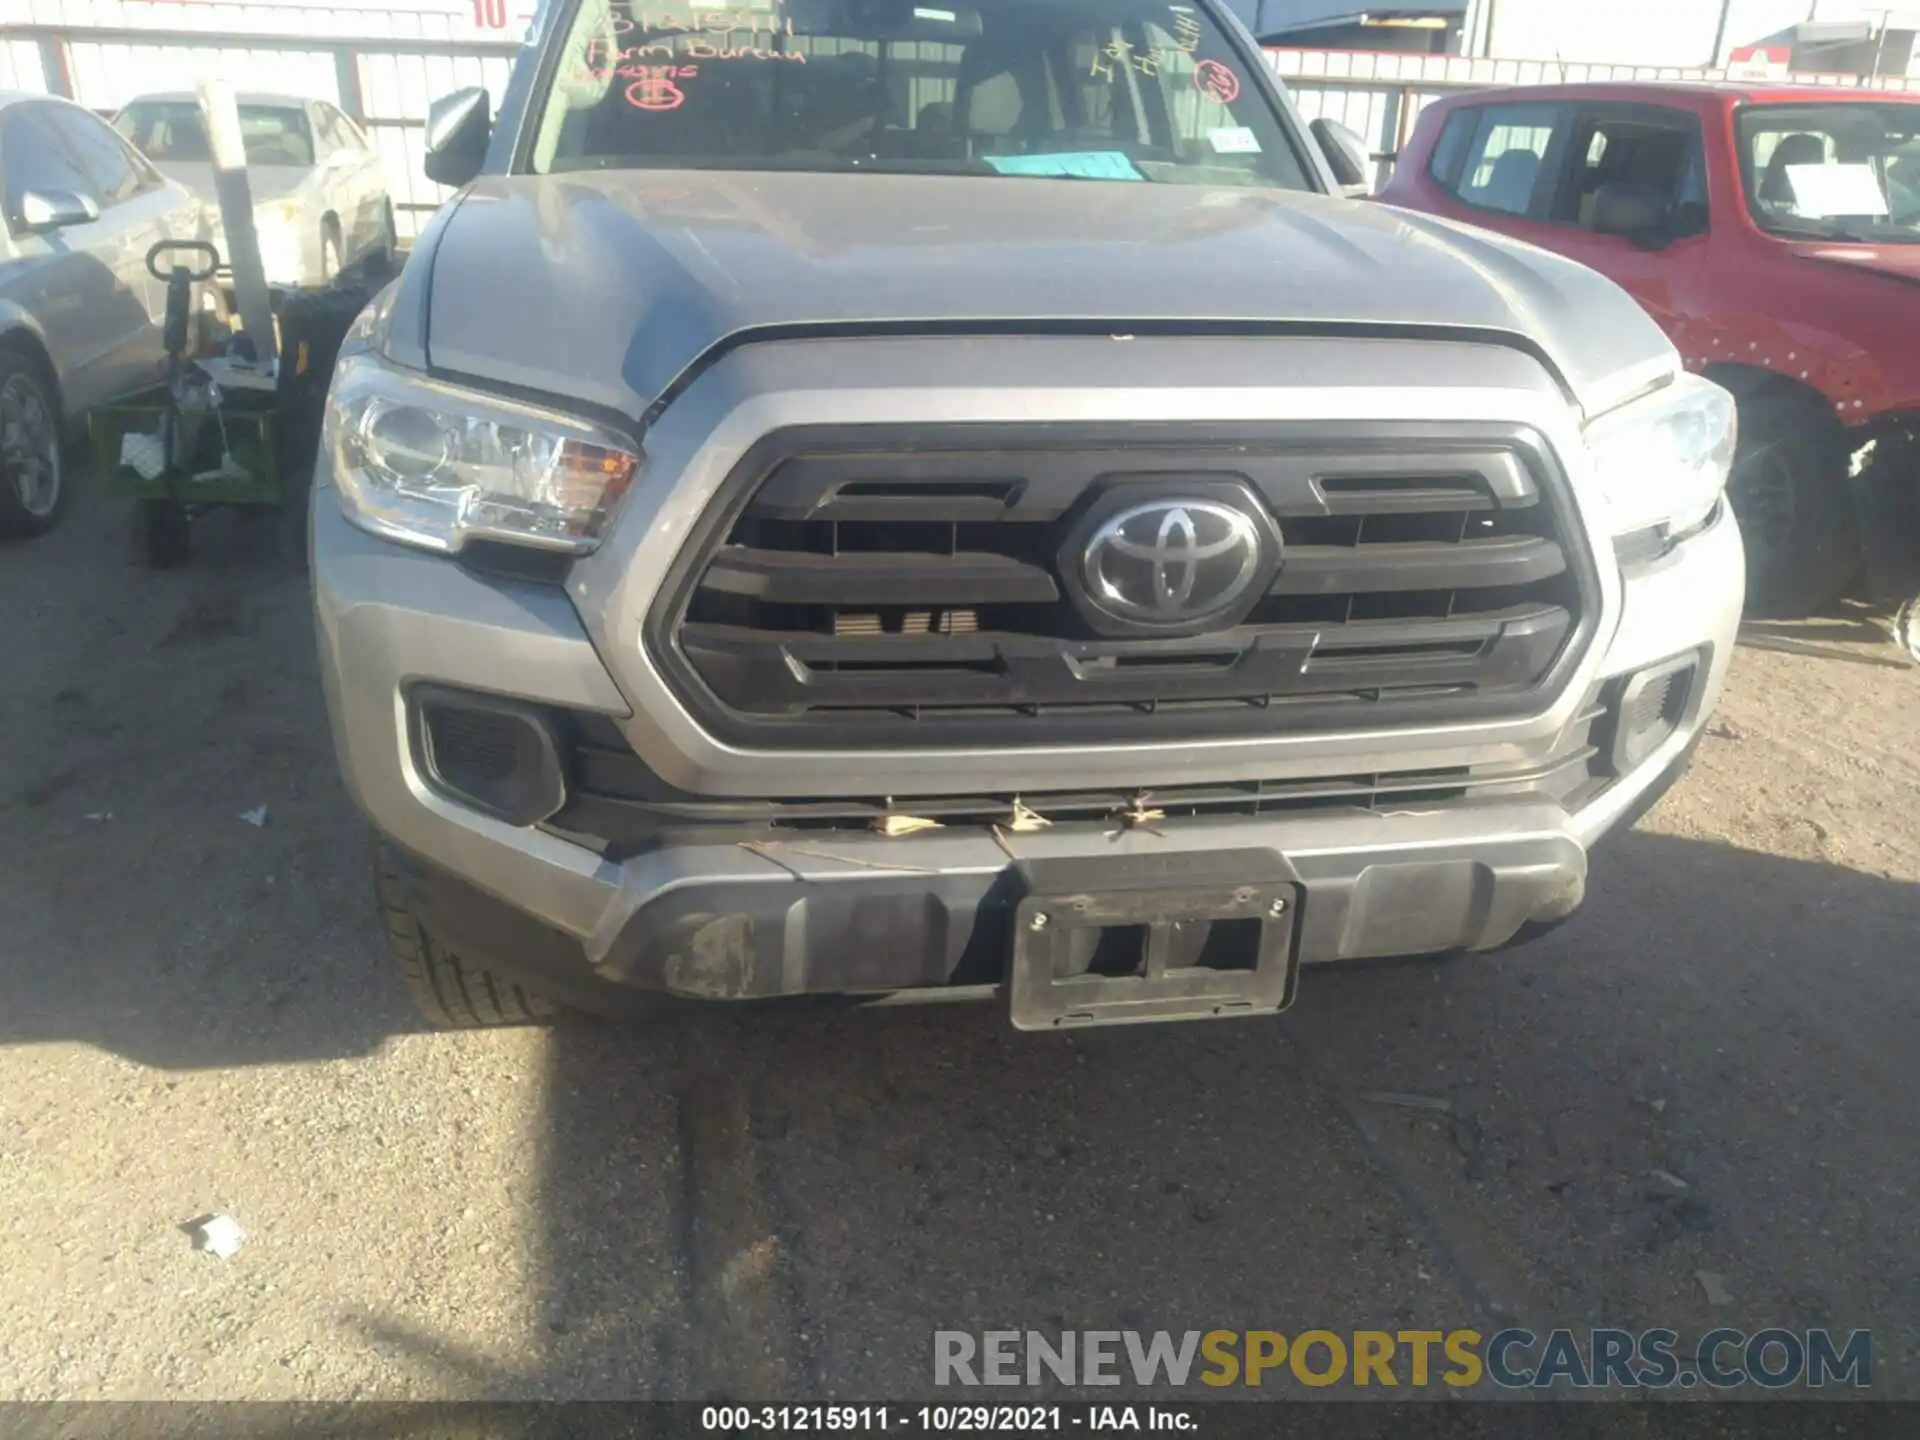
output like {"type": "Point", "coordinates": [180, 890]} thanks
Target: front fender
{"type": "Point", "coordinates": [1847, 337]}
{"type": "Point", "coordinates": [15, 318]}
{"type": "Point", "coordinates": [18, 325]}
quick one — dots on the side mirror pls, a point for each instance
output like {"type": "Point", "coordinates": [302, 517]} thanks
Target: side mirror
{"type": "Point", "coordinates": [1632, 212]}
{"type": "Point", "coordinates": [1346, 156]}
{"type": "Point", "coordinates": [42, 210]}
{"type": "Point", "coordinates": [458, 127]}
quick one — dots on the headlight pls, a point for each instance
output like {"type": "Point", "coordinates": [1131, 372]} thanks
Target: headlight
{"type": "Point", "coordinates": [436, 465]}
{"type": "Point", "coordinates": [1664, 460]}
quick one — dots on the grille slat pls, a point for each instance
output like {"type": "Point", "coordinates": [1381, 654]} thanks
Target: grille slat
{"type": "Point", "coordinates": [866, 578]}
{"type": "Point", "coordinates": [615, 798]}
{"type": "Point", "coordinates": [1032, 479]}
{"type": "Point", "coordinates": [1419, 565]}
{"type": "Point", "coordinates": [1418, 499]}
{"type": "Point", "coordinates": [755, 673]}
{"type": "Point", "coordinates": [886, 586]}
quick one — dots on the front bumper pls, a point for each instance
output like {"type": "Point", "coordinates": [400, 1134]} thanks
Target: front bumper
{"type": "Point", "coordinates": [930, 914]}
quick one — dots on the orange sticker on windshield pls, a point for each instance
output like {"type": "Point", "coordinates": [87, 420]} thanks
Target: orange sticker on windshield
{"type": "Point", "coordinates": [1213, 79]}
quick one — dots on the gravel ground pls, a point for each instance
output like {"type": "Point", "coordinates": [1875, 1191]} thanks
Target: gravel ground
{"type": "Point", "coordinates": [195, 1016]}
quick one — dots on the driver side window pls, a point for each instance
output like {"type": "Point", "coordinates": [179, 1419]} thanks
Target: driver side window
{"type": "Point", "coordinates": [1658, 152]}
{"type": "Point", "coordinates": [1505, 161]}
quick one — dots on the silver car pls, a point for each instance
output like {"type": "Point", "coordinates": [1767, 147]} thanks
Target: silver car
{"type": "Point", "coordinates": [320, 193]}
{"type": "Point", "coordinates": [79, 312]}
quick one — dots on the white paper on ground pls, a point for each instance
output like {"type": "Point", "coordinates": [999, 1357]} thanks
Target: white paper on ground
{"type": "Point", "coordinates": [218, 1235]}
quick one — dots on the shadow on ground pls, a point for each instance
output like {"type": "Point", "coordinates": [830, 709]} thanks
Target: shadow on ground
{"type": "Point", "coordinates": [145, 714]}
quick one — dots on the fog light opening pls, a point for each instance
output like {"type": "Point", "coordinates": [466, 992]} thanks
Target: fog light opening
{"type": "Point", "coordinates": [1650, 708]}
{"type": "Point", "coordinates": [494, 756]}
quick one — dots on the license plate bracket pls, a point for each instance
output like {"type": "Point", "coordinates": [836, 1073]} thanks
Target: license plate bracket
{"type": "Point", "coordinates": [1127, 939]}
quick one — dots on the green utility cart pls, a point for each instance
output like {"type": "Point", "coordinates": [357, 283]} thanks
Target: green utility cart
{"type": "Point", "coordinates": [215, 434]}
{"type": "Point", "coordinates": [194, 458]}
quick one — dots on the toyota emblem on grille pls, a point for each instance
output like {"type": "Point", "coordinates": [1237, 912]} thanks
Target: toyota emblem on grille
{"type": "Point", "coordinates": [1170, 562]}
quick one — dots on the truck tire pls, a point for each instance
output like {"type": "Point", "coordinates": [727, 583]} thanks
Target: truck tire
{"type": "Point", "coordinates": [33, 490]}
{"type": "Point", "coordinates": [450, 993]}
{"type": "Point", "coordinates": [1790, 493]}
{"type": "Point", "coordinates": [1906, 628]}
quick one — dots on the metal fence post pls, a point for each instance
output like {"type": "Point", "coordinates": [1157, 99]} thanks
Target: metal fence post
{"type": "Point", "coordinates": [1389, 147]}
{"type": "Point", "coordinates": [54, 66]}
{"type": "Point", "coordinates": [346, 79]}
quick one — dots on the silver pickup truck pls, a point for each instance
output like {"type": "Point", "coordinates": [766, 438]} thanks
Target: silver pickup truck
{"type": "Point", "coordinates": [922, 502]}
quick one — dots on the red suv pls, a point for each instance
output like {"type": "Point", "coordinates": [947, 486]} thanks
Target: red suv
{"type": "Point", "coordinates": [1775, 235]}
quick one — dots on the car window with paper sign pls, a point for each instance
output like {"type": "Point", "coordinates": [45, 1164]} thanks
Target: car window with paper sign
{"type": "Point", "coordinates": [1824, 192]}
{"type": "Point", "coordinates": [1836, 169]}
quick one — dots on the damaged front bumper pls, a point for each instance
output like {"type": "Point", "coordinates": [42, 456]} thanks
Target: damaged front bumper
{"type": "Point", "coordinates": [938, 916]}
{"type": "Point", "coordinates": [935, 915]}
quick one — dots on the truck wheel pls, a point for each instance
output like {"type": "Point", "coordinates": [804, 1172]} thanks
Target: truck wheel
{"type": "Point", "coordinates": [1906, 628]}
{"type": "Point", "coordinates": [33, 493]}
{"type": "Point", "coordinates": [450, 993]}
{"type": "Point", "coordinates": [1790, 494]}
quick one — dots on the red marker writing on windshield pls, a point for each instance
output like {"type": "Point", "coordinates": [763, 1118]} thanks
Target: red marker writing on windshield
{"type": "Point", "coordinates": [1210, 77]}
{"type": "Point", "coordinates": [655, 92]}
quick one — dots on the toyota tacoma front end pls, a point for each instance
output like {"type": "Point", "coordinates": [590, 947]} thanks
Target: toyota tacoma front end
{"type": "Point", "coordinates": [859, 556]}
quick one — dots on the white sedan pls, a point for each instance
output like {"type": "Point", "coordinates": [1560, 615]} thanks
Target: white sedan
{"type": "Point", "coordinates": [320, 196]}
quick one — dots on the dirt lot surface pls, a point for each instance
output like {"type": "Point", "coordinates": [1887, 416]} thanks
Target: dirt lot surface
{"type": "Point", "coordinates": [196, 1015]}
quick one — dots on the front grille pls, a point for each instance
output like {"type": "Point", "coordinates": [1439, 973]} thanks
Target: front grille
{"type": "Point", "coordinates": [892, 587]}
{"type": "Point", "coordinates": [616, 804]}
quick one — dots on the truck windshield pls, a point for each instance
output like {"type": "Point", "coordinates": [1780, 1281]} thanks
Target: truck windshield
{"type": "Point", "coordinates": [1847, 170]}
{"type": "Point", "coordinates": [1109, 90]}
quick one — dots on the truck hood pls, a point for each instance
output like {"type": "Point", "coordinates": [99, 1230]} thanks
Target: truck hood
{"type": "Point", "coordinates": [606, 287]}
